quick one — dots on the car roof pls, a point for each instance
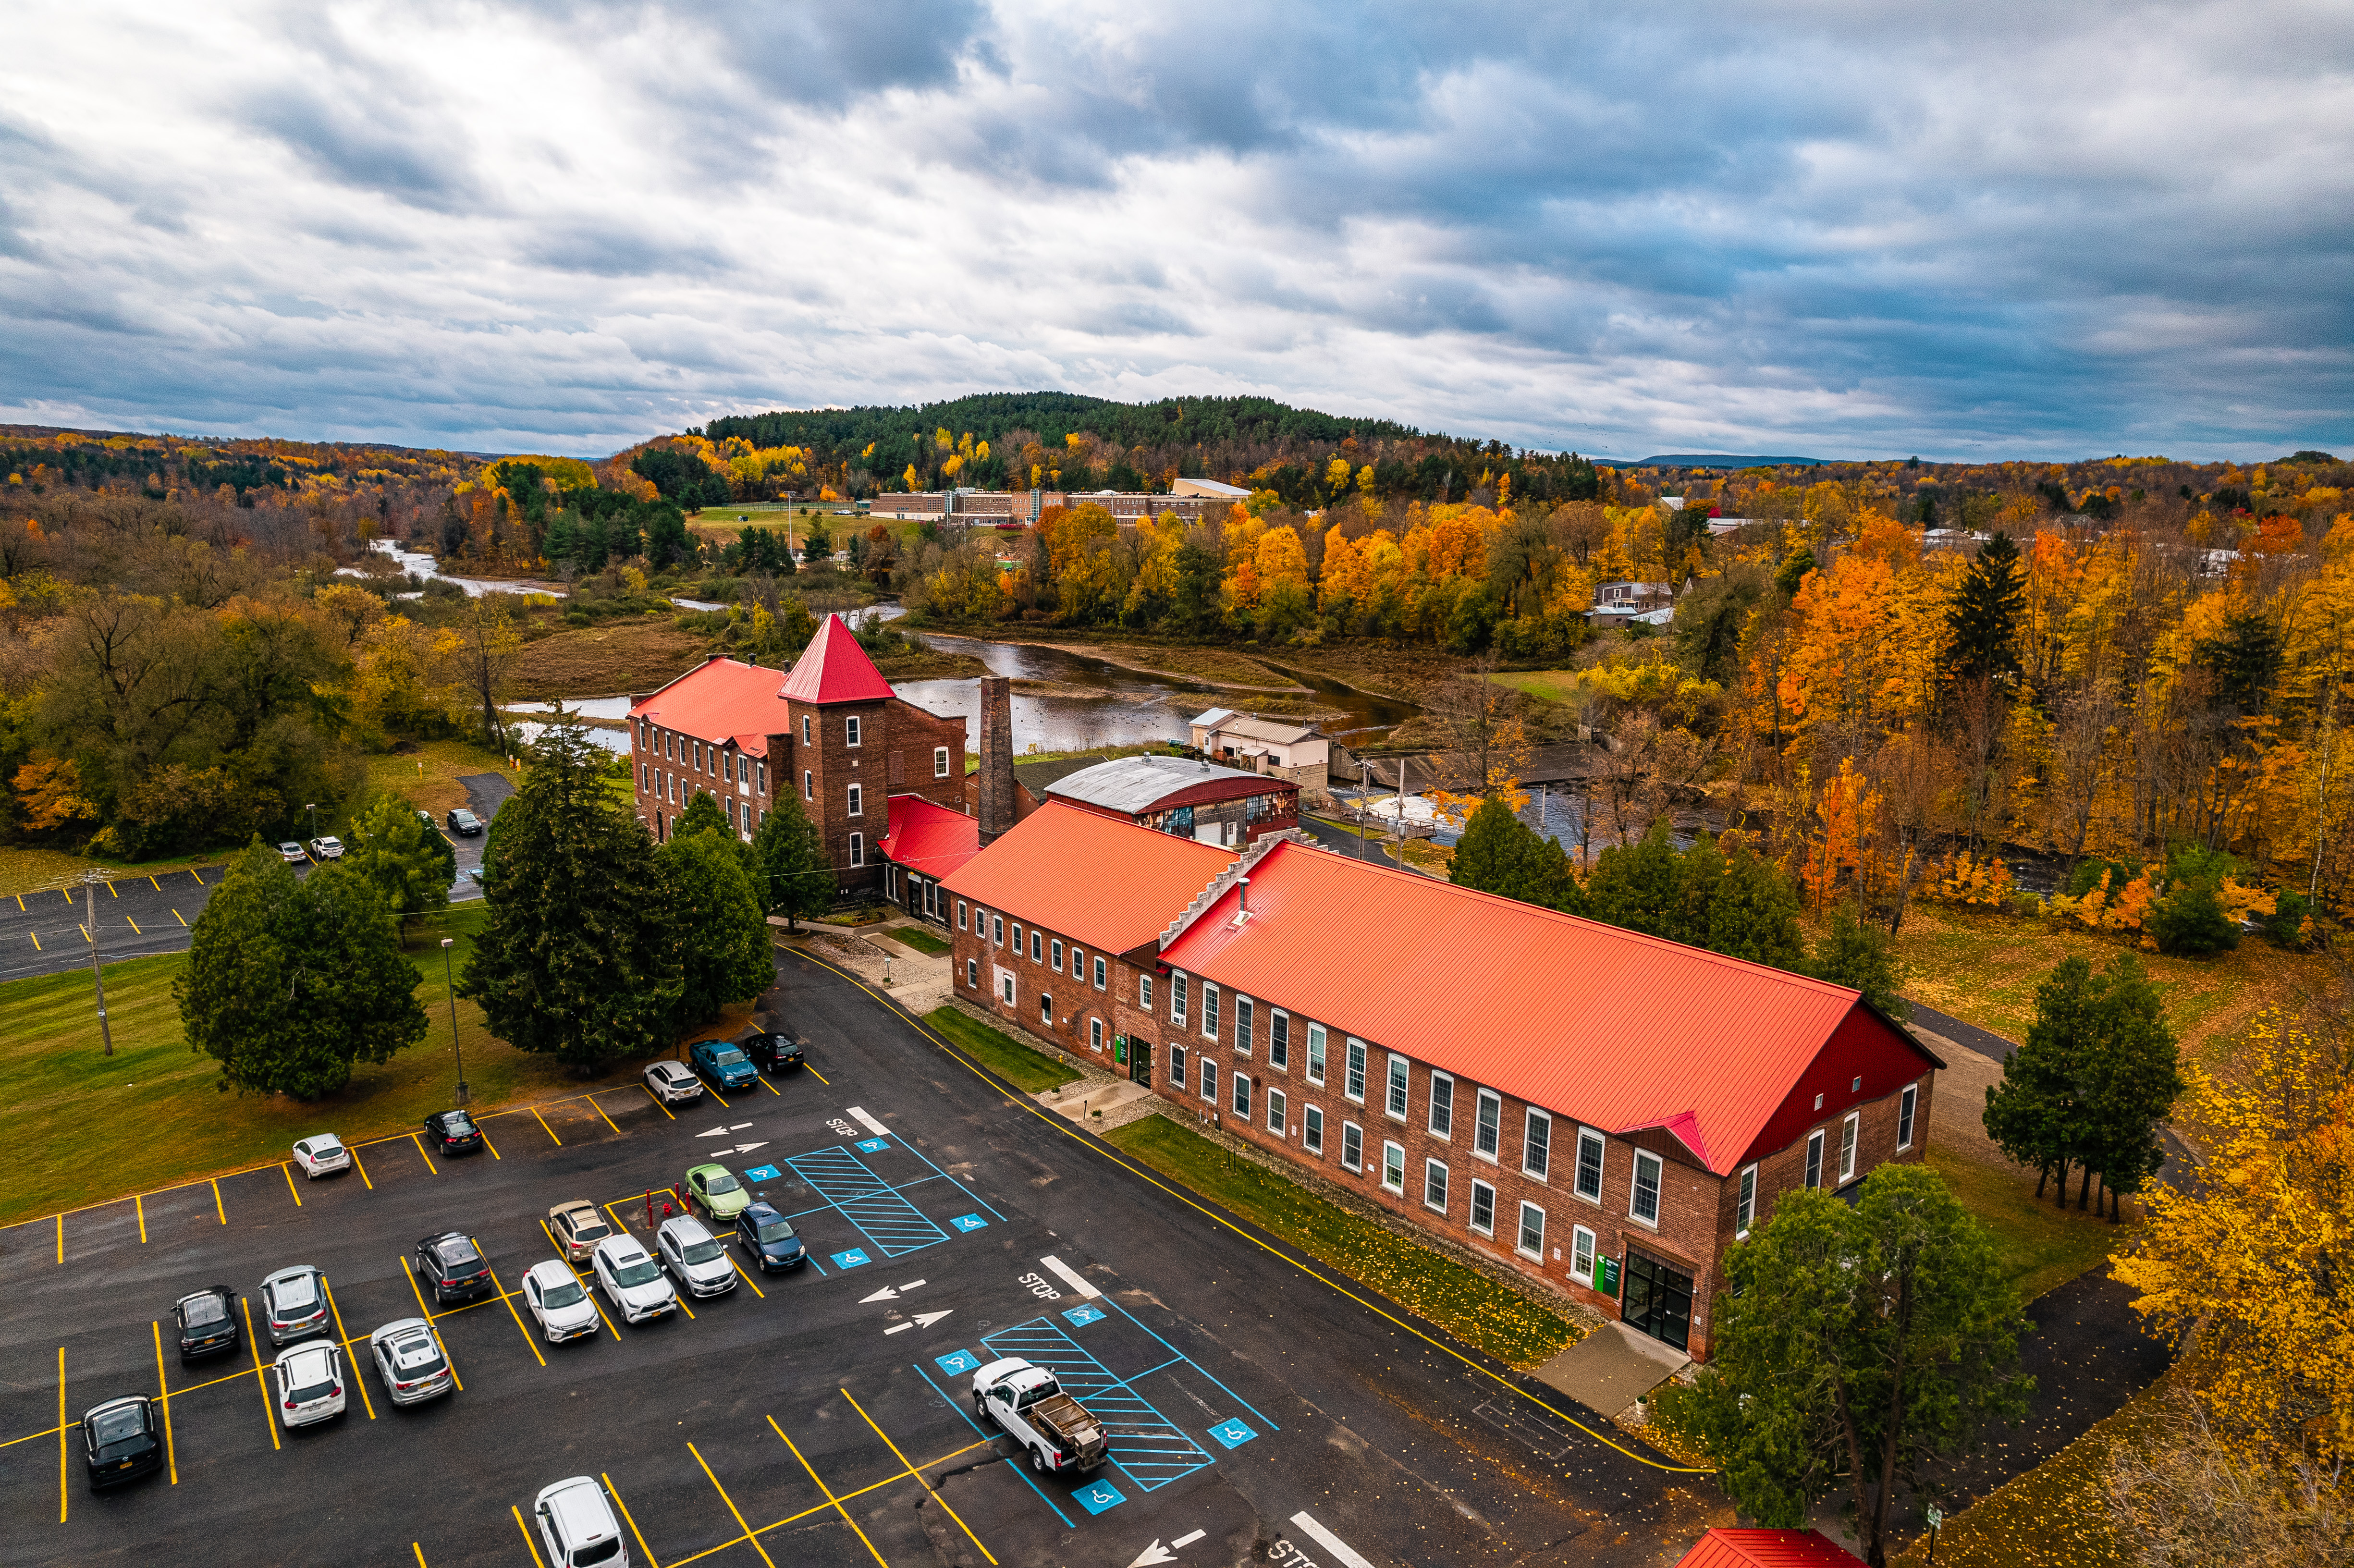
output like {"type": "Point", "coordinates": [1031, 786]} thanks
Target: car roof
{"type": "Point", "coordinates": [300, 1271]}
{"type": "Point", "coordinates": [573, 1206]}
{"type": "Point", "coordinates": [439, 1236]}
{"type": "Point", "coordinates": [96, 1411]}
{"type": "Point", "coordinates": [221, 1290]}
{"type": "Point", "coordinates": [293, 1354]}
{"type": "Point", "coordinates": [581, 1510]}
{"type": "Point", "coordinates": [672, 1069]}
{"type": "Point", "coordinates": [318, 1141]}
{"type": "Point", "coordinates": [552, 1271]}
{"type": "Point", "coordinates": [699, 1169]}
{"type": "Point", "coordinates": [622, 1245]}
{"type": "Point", "coordinates": [402, 1326]}
{"type": "Point", "coordinates": [687, 1228]}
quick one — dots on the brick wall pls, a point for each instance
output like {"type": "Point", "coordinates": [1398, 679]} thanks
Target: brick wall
{"type": "Point", "coordinates": [894, 754]}
{"type": "Point", "coordinates": [1079, 1006]}
{"type": "Point", "coordinates": [666, 784]}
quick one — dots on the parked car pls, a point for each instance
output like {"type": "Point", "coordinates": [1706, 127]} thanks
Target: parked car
{"type": "Point", "coordinates": [561, 1307]}
{"type": "Point", "coordinates": [579, 1226]}
{"type": "Point", "coordinates": [294, 1305]}
{"type": "Point", "coordinates": [453, 1132]}
{"type": "Point", "coordinates": [292, 852]}
{"type": "Point", "coordinates": [716, 1192]}
{"type": "Point", "coordinates": [309, 1383]}
{"type": "Point", "coordinates": [769, 1236]}
{"type": "Point", "coordinates": [329, 848]}
{"type": "Point", "coordinates": [430, 826]}
{"type": "Point", "coordinates": [630, 1280]}
{"type": "Point", "coordinates": [694, 1258]}
{"type": "Point", "coordinates": [673, 1081]}
{"type": "Point", "coordinates": [120, 1441]}
{"type": "Point", "coordinates": [1031, 1405]}
{"type": "Point", "coordinates": [773, 1051]}
{"type": "Point", "coordinates": [722, 1065]}
{"type": "Point", "coordinates": [323, 1155]}
{"type": "Point", "coordinates": [454, 1267]}
{"type": "Point", "coordinates": [464, 823]}
{"type": "Point", "coordinates": [578, 1527]}
{"type": "Point", "coordinates": [207, 1321]}
{"type": "Point", "coordinates": [410, 1359]}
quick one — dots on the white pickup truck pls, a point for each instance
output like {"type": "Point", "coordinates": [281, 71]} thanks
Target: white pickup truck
{"type": "Point", "coordinates": [1027, 1402]}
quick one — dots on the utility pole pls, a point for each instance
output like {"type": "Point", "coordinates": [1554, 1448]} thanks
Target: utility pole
{"type": "Point", "coordinates": [449, 976]}
{"type": "Point", "coordinates": [90, 929]}
{"type": "Point", "coordinates": [1364, 788]}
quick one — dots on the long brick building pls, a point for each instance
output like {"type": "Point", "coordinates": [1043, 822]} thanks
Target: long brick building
{"type": "Point", "coordinates": [1596, 1108]}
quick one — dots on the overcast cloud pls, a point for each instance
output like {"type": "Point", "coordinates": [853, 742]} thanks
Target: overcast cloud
{"type": "Point", "coordinates": [1864, 228]}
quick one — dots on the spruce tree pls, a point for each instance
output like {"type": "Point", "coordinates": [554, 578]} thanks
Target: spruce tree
{"type": "Point", "coordinates": [578, 960]}
{"type": "Point", "coordinates": [723, 933]}
{"type": "Point", "coordinates": [702, 815]}
{"type": "Point", "coordinates": [1859, 956]}
{"type": "Point", "coordinates": [1756, 914]}
{"type": "Point", "coordinates": [1636, 885]}
{"type": "Point", "coordinates": [790, 874]}
{"type": "Point", "coordinates": [408, 863]}
{"type": "Point", "coordinates": [1491, 856]}
{"type": "Point", "coordinates": [1982, 621]}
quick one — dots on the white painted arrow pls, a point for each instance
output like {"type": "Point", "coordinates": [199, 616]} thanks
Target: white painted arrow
{"type": "Point", "coordinates": [713, 1133]}
{"type": "Point", "coordinates": [1184, 1540]}
{"type": "Point", "coordinates": [1151, 1554]}
{"type": "Point", "coordinates": [911, 1284]}
{"type": "Point", "coordinates": [886, 1294]}
{"type": "Point", "coordinates": [928, 1319]}
{"type": "Point", "coordinates": [739, 1126]}
{"type": "Point", "coordinates": [748, 1148]}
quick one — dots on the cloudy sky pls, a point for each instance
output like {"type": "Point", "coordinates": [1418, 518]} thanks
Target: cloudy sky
{"type": "Point", "coordinates": [1841, 227]}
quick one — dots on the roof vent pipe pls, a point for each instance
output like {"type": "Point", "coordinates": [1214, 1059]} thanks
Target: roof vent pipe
{"type": "Point", "coordinates": [1241, 891]}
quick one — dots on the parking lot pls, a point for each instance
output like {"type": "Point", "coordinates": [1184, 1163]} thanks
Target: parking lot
{"type": "Point", "coordinates": [1256, 1411]}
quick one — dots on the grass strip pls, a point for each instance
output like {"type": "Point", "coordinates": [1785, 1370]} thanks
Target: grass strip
{"type": "Point", "coordinates": [1468, 1304]}
{"type": "Point", "coordinates": [1032, 1072]}
{"type": "Point", "coordinates": [2041, 1245]}
{"type": "Point", "coordinates": [919, 939]}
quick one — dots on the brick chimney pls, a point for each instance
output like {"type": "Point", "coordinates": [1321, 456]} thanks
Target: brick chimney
{"type": "Point", "coordinates": [997, 784]}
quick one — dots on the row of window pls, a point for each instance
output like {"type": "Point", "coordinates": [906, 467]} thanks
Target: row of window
{"type": "Point", "coordinates": [692, 754]}
{"type": "Point", "coordinates": [1851, 1133]}
{"type": "Point", "coordinates": [1042, 949]}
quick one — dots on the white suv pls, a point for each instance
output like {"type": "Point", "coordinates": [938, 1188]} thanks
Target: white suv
{"type": "Point", "coordinates": [672, 1082]}
{"type": "Point", "coordinates": [578, 1527]}
{"type": "Point", "coordinates": [553, 1293]}
{"type": "Point", "coordinates": [631, 1281]}
{"type": "Point", "coordinates": [309, 1379]}
{"type": "Point", "coordinates": [694, 1258]}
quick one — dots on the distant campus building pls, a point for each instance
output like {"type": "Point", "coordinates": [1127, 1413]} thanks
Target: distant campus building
{"type": "Point", "coordinates": [1193, 499]}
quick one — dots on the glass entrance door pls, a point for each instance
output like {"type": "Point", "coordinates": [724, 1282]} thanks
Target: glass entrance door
{"type": "Point", "coordinates": [1140, 1061]}
{"type": "Point", "coordinates": [1658, 1299]}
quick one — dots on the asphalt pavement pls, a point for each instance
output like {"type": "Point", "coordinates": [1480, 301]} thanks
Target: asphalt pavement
{"type": "Point", "coordinates": [1259, 1411]}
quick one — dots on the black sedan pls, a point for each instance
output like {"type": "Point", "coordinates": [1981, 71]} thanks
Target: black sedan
{"type": "Point", "coordinates": [120, 1441]}
{"type": "Point", "coordinates": [463, 823]}
{"type": "Point", "coordinates": [769, 1236]}
{"type": "Point", "coordinates": [207, 1321]}
{"type": "Point", "coordinates": [454, 1267]}
{"type": "Point", "coordinates": [453, 1132]}
{"type": "Point", "coordinates": [773, 1051]}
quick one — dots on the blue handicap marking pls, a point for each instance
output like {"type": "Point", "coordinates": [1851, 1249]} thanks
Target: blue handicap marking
{"type": "Point", "coordinates": [1081, 1317]}
{"type": "Point", "coordinates": [1233, 1434]}
{"type": "Point", "coordinates": [962, 1361]}
{"type": "Point", "coordinates": [875, 1145]}
{"type": "Point", "coordinates": [1097, 1496]}
{"type": "Point", "coordinates": [850, 1259]}
{"type": "Point", "coordinates": [969, 1222]}
{"type": "Point", "coordinates": [761, 1173]}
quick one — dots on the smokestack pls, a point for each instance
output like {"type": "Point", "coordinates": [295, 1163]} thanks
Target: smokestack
{"type": "Point", "coordinates": [996, 757]}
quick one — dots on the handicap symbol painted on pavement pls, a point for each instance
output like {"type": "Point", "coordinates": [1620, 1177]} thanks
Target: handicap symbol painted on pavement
{"type": "Point", "coordinates": [962, 1361]}
{"type": "Point", "coordinates": [1081, 1317]}
{"type": "Point", "coordinates": [1233, 1434]}
{"type": "Point", "coordinates": [875, 1144]}
{"type": "Point", "coordinates": [850, 1259]}
{"type": "Point", "coordinates": [1097, 1496]}
{"type": "Point", "coordinates": [761, 1173]}
{"type": "Point", "coordinates": [969, 1222]}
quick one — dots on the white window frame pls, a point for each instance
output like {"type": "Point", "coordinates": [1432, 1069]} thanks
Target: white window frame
{"type": "Point", "coordinates": [850, 729]}
{"type": "Point", "coordinates": [1483, 1190]}
{"type": "Point", "coordinates": [1519, 1236]}
{"type": "Point", "coordinates": [857, 803]}
{"type": "Point", "coordinates": [1279, 1039]}
{"type": "Point", "coordinates": [1054, 947]}
{"type": "Point", "coordinates": [1907, 1102]}
{"type": "Point", "coordinates": [805, 730]}
{"type": "Point", "coordinates": [1316, 1041]}
{"type": "Point", "coordinates": [1047, 1009]}
{"type": "Point", "coordinates": [1238, 1097]}
{"type": "Point", "coordinates": [972, 973]}
{"type": "Point", "coordinates": [1659, 1188]}
{"type": "Point", "coordinates": [1850, 1145]}
{"type": "Point", "coordinates": [1581, 1253]}
{"type": "Point", "coordinates": [1488, 1125]}
{"type": "Point", "coordinates": [1394, 1159]}
{"type": "Point", "coordinates": [1205, 1073]}
{"type": "Point", "coordinates": [1209, 1011]}
{"type": "Point", "coordinates": [1144, 992]}
{"type": "Point", "coordinates": [1277, 1107]}
{"type": "Point", "coordinates": [809, 785]}
{"type": "Point", "coordinates": [1353, 1082]}
{"type": "Point", "coordinates": [961, 912]}
{"type": "Point", "coordinates": [1078, 961]}
{"type": "Point", "coordinates": [1814, 1166]}
{"type": "Point", "coordinates": [1744, 1201]}
{"type": "Point", "coordinates": [1351, 1133]}
{"type": "Point", "coordinates": [997, 930]}
{"type": "Point", "coordinates": [1037, 946]}
{"type": "Point", "coordinates": [1178, 988]}
{"type": "Point", "coordinates": [1246, 1024]}
{"type": "Point", "coordinates": [1005, 987]}
{"type": "Point", "coordinates": [939, 762]}
{"type": "Point", "coordinates": [1436, 1168]}
{"type": "Point", "coordinates": [762, 786]}
{"type": "Point", "coordinates": [1442, 1099]}
{"type": "Point", "coordinates": [1102, 973]}
{"type": "Point", "coordinates": [1095, 1033]}
{"type": "Point", "coordinates": [1397, 1086]}
{"type": "Point", "coordinates": [1532, 1121]}
{"type": "Point", "coordinates": [1176, 1066]}
{"type": "Point", "coordinates": [858, 848]}
{"type": "Point", "coordinates": [1589, 1139]}
{"type": "Point", "coordinates": [1311, 1129]}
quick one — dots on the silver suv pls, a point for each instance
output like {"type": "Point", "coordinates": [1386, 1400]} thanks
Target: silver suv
{"type": "Point", "coordinates": [694, 1258]}
{"type": "Point", "coordinates": [295, 1304]}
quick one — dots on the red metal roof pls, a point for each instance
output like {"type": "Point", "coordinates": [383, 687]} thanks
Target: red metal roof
{"type": "Point", "coordinates": [718, 701]}
{"type": "Point", "coordinates": [929, 839]}
{"type": "Point", "coordinates": [1766, 1549]}
{"type": "Point", "coordinates": [834, 668]}
{"type": "Point", "coordinates": [1620, 1031]}
{"type": "Point", "coordinates": [1099, 880]}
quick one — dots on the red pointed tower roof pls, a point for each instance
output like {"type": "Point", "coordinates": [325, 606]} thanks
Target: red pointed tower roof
{"type": "Point", "coordinates": [834, 668]}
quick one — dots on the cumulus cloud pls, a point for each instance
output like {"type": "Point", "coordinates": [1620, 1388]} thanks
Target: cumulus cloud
{"type": "Point", "coordinates": [1831, 225]}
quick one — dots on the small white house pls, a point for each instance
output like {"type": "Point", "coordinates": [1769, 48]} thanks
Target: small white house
{"type": "Point", "coordinates": [1285, 746]}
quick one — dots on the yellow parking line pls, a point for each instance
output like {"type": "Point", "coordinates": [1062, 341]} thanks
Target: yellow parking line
{"type": "Point", "coordinates": [183, 919]}
{"type": "Point", "coordinates": [821, 1077]}
{"type": "Point", "coordinates": [268, 1406]}
{"type": "Point", "coordinates": [740, 1524]}
{"type": "Point", "coordinates": [36, 940]}
{"type": "Point", "coordinates": [357, 1370]}
{"type": "Point", "coordinates": [361, 1167]}
{"type": "Point", "coordinates": [140, 1203]}
{"type": "Point", "coordinates": [486, 1139]}
{"type": "Point", "coordinates": [61, 1434]}
{"type": "Point", "coordinates": [85, 932]}
{"type": "Point", "coordinates": [135, 927]}
{"type": "Point", "coordinates": [528, 1337]}
{"type": "Point", "coordinates": [64, 895]}
{"type": "Point", "coordinates": [164, 1398]}
{"type": "Point", "coordinates": [769, 1086]}
{"type": "Point", "coordinates": [413, 1546]}
{"type": "Point", "coordinates": [744, 1277]}
{"type": "Point", "coordinates": [588, 1288]}
{"type": "Point", "coordinates": [657, 1099]}
{"type": "Point", "coordinates": [153, 883]}
{"type": "Point", "coordinates": [110, 892]}
{"type": "Point", "coordinates": [419, 1141]}
{"type": "Point", "coordinates": [20, 903]}
{"type": "Point", "coordinates": [217, 1202]}
{"type": "Point", "coordinates": [289, 1182]}
{"type": "Point", "coordinates": [615, 1493]}
{"type": "Point", "coordinates": [527, 1541]}
{"type": "Point", "coordinates": [200, 881]}
{"type": "Point", "coordinates": [601, 1111]}
{"type": "Point", "coordinates": [428, 1318]}
{"type": "Point", "coordinates": [544, 1128]}
{"type": "Point", "coordinates": [44, 1432]}
{"type": "Point", "coordinates": [61, 1238]}
{"type": "Point", "coordinates": [968, 1535]}
{"type": "Point", "coordinates": [829, 1496]}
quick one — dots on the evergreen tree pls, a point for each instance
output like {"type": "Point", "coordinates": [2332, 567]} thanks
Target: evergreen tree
{"type": "Point", "coordinates": [723, 933]}
{"type": "Point", "coordinates": [2032, 1115]}
{"type": "Point", "coordinates": [1982, 622]}
{"type": "Point", "coordinates": [1792, 572]}
{"type": "Point", "coordinates": [408, 863]}
{"type": "Point", "coordinates": [1636, 885]}
{"type": "Point", "coordinates": [1756, 914]}
{"type": "Point", "coordinates": [290, 980]}
{"type": "Point", "coordinates": [702, 815]}
{"type": "Point", "coordinates": [578, 960]}
{"type": "Point", "coordinates": [1501, 854]}
{"type": "Point", "coordinates": [790, 874]}
{"type": "Point", "coordinates": [2093, 1082]}
{"type": "Point", "coordinates": [817, 544]}
{"type": "Point", "coordinates": [1853, 954]}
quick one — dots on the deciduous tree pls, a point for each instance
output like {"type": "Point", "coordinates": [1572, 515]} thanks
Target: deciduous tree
{"type": "Point", "coordinates": [790, 874]}
{"type": "Point", "coordinates": [408, 863]}
{"type": "Point", "coordinates": [721, 930]}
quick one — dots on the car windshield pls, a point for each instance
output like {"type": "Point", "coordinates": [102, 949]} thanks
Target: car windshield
{"type": "Point", "coordinates": [602, 1552]}
{"type": "Point", "coordinates": [700, 1251]}
{"type": "Point", "coordinates": [200, 1310]}
{"type": "Point", "coordinates": [775, 1231]}
{"type": "Point", "coordinates": [311, 1390]}
{"type": "Point", "coordinates": [290, 849]}
{"type": "Point", "coordinates": [728, 1057]}
{"type": "Point", "coordinates": [458, 1254]}
{"type": "Point", "coordinates": [590, 1230]}
{"type": "Point", "coordinates": [427, 1367]}
{"type": "Point", "coordinates": [330, 1144]}
{"type": "Point", "coordinates": [456, 1122]}
{"type": "Point", "coordinates": [297, 1294]}
{"type": "Point", "coordinates": [1045, 1391]}
{"type": "Point", "coordinates": [564, 1295]}
{"type": "Point", "coordinates": [119, 1426]}
{"type": "Point", "coordinates": [721, 1182]}
{"type": "Point", "coordinates": [641, 1272]}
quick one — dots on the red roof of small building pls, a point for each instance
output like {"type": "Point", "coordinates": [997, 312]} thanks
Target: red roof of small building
{"type": "Point", "coordinates": [834, 668]}
{"type": "Point", "coordinates": [1099, 880]}
{"type": "Point", "coordinates": [1622, 1032]}
{"type": "Point", "coordinates": [1766, 1549]}
{"type": "Point", "coordinates": [928, 838]}
{"type": "Point", "coordinates": [718, 701]}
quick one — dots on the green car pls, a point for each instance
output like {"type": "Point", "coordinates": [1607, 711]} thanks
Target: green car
{"type": "Point", "coordinates": [718, 1194]}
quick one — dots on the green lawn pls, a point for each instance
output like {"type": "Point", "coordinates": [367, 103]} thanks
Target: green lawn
{"type": "Point", "coordinates": [1032, 1072]}
{"type": "Point", "coordinates": [2042, 1247]}
{"type": "Point", "coordinates": [928, 942]}
{"type": "Point", "coordinates": [1464, 1302]}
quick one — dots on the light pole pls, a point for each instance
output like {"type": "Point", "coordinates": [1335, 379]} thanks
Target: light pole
{"type": "Point", "coordinates": [90, 880]}
{"type": "Point", "coordinates": [312, 807]}
{"type": "Point", "coordinates": [449, 976]}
